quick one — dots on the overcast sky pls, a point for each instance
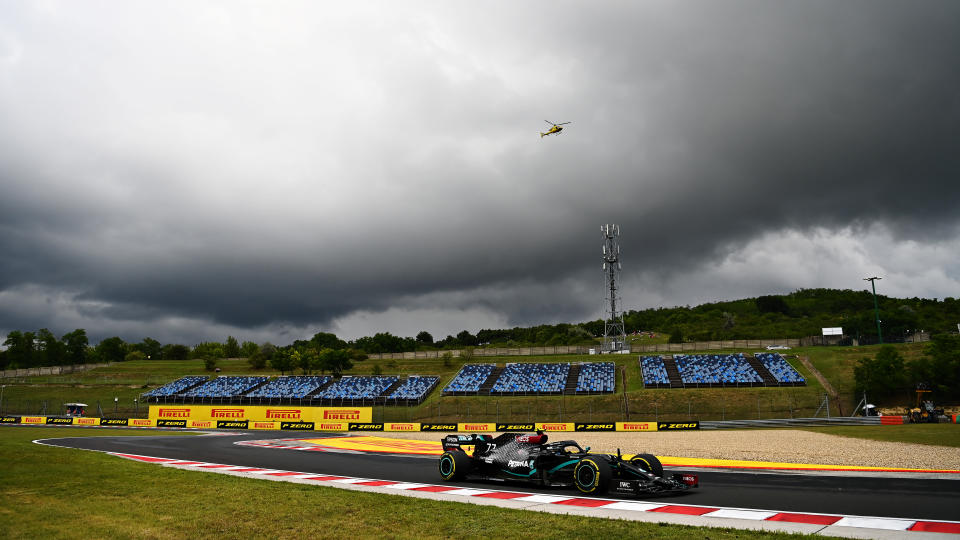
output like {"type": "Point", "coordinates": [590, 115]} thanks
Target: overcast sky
{"type": "Point", "coordinates": [192, 170]}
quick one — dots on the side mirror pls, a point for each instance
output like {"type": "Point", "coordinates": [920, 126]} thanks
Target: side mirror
{"type": "Point", "coordinates": [587, 449]}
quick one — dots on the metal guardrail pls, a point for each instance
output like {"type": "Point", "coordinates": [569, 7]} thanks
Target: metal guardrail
{"type": "Point", "coordinates": [793, 422]}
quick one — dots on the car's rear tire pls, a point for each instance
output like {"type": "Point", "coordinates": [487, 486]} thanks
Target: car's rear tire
{"type": "Point", "coordinates": [454, 465]}
{"type": "Point", "coordinates": [648, 462]}
{"type": "Point", "coordinates": [592, 476]}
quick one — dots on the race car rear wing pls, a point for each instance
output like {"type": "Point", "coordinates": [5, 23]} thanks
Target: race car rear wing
{"type": "Point", "coordinates": [458, 442]}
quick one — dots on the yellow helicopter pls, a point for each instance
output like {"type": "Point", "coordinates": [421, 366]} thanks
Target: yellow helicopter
{"type": "Point", "coordinates": [555, 129]}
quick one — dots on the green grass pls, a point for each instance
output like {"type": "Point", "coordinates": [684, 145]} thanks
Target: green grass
{"type": "Point", "coordinates": [931, 434]}
{"type": "Point", "coordinates": [62, 493]}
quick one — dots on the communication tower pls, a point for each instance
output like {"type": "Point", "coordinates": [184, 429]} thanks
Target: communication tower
{"type": "Point", "coordinates": [614, 334]}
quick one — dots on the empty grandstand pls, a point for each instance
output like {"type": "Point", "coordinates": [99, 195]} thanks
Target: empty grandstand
{"type": "Point", "coordinates": [176, 387]}
{"type": "Point", "coordinates": [533, 379]}
{"type": "Point", "coordinates": [654, 372]}
{"type": "Point", "coordinates": [716, 370]}
{"type": "Point", "coordinates": [222, 389]}
{"type": "Point", "coordinates": [781, 370]}
{"type": "Point", "coordinates": [707, 370]}
{"type": "Point", "coordinates": [596, 378]}
{"type": "Point", "coordinates": [288, 388]}
{"type": "Point", "coordinates": [413, 390]}
{"type": "Point", "coordinates": [469, 379]}
{"type": "Point", "coordinates": [357, 389]}
{"type": "Point", "coordinates": [530, 378]}
{"type": "Point", "coordinates": [315, 390]}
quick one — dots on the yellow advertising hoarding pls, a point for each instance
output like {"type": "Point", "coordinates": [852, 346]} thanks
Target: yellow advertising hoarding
{"type": "Point", "coordinates": [401, 426]}
{"type": "Point", "coordinates": [264, 425]}
{"type": "Point", "coordinates": [328, 426]}
{"type": "Point", "coordinates": [86, 421]}
{"type": "Point", "coordinates": [142, 422]}
{"type": "Point", "coordinates": [33, 419]}
{"type": "Point", "coordinates": [636, 426]}
{"type": "Point", "coordinates": [476, 427]}
{"type": "Point", "coordinates": [555, 426]}
{"type": "Point", "coordinates": [262, 413]}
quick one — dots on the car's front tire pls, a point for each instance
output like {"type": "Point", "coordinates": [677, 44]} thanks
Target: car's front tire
{"type": "Point", "coordinates": [454, 465]}
{"type": "Point", "coordinates": [592, 476]}
{"type": "Point", "coordinates": [649, 463]}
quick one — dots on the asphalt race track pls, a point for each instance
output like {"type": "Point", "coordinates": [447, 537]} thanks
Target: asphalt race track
{"type": "Point", "coordinates": [861, 494]}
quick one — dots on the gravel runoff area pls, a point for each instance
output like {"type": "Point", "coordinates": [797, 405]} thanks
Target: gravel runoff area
{"type": "Point", "coordinates": [777, 445]}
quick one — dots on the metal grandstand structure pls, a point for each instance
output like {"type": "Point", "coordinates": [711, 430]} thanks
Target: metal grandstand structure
{"type": "Point", "coordinates": [614, 333]}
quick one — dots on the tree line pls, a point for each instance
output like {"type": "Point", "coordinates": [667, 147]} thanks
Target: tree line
{"type": "Point", "coordinates": [799, 314]}
{"type": "Point", "coordinates": [888, 378]}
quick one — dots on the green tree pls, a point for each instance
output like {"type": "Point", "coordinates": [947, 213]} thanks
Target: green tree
{"type": "Point", "coordinates": [206, 349]}
{"type": "Point", "coordinates": [20, 349]}
{"type": "Point", "coordinates": [248, 349]}
{"type": "Point", "coordinates": [174, 351]}
{"type": "Point", "coordinates": [424, 338]}
{"type": "Point", "coordinates": [257, 360]}
{"type": "Point", "coordinates": [309, 361]}
{"type": "Point", "coordinates": [112, 349]}
{"type": "Point", "coordinates": [881, 377]}
{"type": "Point", "coordinates": [51, 350]}
{"type": "Point", "coordinates": [676, 335]}
{"type": "Point", "coordinates": [940, 366]}
{"type": "Point", "coordinates": [467, 339]}
{"type": "Point", "coordinates": [281, 361]}
{"type": "Point", "coordinates": [210, 361]}
{"type": "Point", "coordinates": [134, 355]}
{"type": "Point", "coordinates": [447, 358]}
{"type": "Point", "coordinates": [76, 344]}
{"type": "Point", "coordinates": [336, 361]}
{"type": "Point", "coordinates": [150, 348]}
{"type": "Point", "coordinates": [231, 348]}
{"type": "Point", "coordinates": [326, 340]}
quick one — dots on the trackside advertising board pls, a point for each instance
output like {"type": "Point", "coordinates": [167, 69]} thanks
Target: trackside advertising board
{"type": "Point", "coordinates": [678, 426]}
{"type": "Point", "coordinates": [401, 426]}
{"type": "Point", "coordinates": [555, 426]}
{"type": "Point", "coordinates": [636, 426]}
{"type": "Point", "coordinates": [476, 427]}
{"type": "Point", "coordinates": [262, 413]}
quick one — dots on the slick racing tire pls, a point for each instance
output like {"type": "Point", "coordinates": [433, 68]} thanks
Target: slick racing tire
{"type": "Point", "coordinates": [454, 465]}
{"type": "Point", "coordinates": [592, 476]}
{"type": "Point", "coordinates": [648, 462]}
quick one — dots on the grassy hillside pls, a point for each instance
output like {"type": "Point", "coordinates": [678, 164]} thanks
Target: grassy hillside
{"type": "Point", "coordinates": [127, 380]}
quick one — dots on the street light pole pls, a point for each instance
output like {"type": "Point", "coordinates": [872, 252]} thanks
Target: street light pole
{"type": "Point", "coordinates": [876, 308]}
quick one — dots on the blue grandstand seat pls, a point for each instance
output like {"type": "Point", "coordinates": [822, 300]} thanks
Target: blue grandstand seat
{"type": "Point", "coordinates": [596, 377]}
{"type": "Point", "coordinates": [414, 388]}
{"type": "Point", "coordinates": [292, 387]}
{"type": "Point", "coordinates": [470, 378]}
{"type": "Point", "coordinates": [176, 386]}
{"type": "Point", "coordinates": [719, 369]}
{"type": "Point", "coordinates": [654, 371]}
{"type": "Point", "coordinates": [366, 387]}
{"type": "Point", "coordinates": [224, 387]}
{"type": "Point", "coordinates": [531, 378]}
{"type": "Point", "coordinates": [780, 368]}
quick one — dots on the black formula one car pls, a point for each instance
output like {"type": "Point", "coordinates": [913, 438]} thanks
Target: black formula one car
{"type": "Point", "coordinates": [530, 458]}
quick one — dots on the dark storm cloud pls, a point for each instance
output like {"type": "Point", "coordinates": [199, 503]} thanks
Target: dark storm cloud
{"type": "Point", "coordinates": [284, 171]}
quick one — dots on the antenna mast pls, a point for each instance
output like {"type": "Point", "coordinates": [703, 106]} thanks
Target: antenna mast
{"type": "Point", "coordinates": [614, 334]}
